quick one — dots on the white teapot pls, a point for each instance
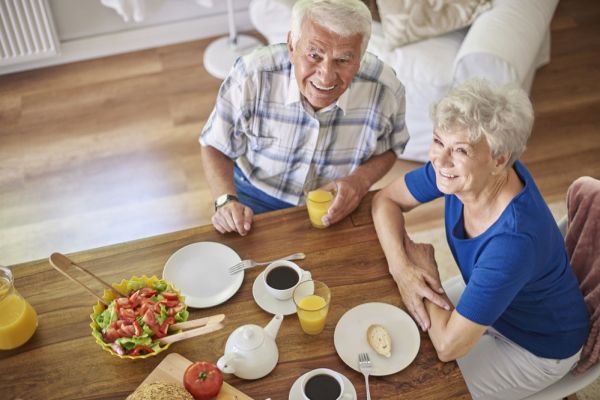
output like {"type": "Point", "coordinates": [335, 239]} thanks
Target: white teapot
{"type": "Point", "coordinates": [250, 351]}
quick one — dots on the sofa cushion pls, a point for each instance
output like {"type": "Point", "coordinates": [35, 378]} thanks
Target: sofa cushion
{"type": "Point", "coordinates": [372, 4]}
{"type": "Point", "coordinates": [407, 21]}
{"type": "Point", "coordinates": [428, 61]}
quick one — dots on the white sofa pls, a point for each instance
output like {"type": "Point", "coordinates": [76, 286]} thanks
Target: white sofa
{"type": "Point", "coordinates": [505, 44]}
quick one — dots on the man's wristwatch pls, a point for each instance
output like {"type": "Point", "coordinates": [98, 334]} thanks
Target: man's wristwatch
{"type": "Point", "coordinates": [224, 199]}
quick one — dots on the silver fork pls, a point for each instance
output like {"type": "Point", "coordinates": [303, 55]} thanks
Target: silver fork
{"type": "Point", "coordinates": [245, 264]}
{"type": "Point", "coordinates": [366, 366]}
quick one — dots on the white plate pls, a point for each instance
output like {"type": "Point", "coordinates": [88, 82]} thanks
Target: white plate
{"type": "Point", "coordinates": [296, 390]}
{"type": "Point", "coordinates": [269, 303]}
{"type": "Point", "coordinates": [200, 272]}
{"type": "Point", "coordinates": [350, 337]}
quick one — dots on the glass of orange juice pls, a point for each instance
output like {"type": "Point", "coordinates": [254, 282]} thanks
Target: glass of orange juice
{"type": "Point", "coordinates": [312, 300]}
{"type": "Point", "coordinates": [18, 319]}
{"type": "Point", "coordinates": [319, 196]}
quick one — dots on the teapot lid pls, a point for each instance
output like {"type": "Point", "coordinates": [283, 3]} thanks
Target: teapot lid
{"type": "Point", "coordinates": [248, 337]}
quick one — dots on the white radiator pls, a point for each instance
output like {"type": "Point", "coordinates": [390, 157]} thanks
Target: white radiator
{"type": "Point", "coordinates": [26, 31]}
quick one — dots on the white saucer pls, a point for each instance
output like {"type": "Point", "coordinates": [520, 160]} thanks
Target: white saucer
{"type": "Point", "coordinates": [269, 303]}
{"type": "Point", "coordinates": [296, 390]}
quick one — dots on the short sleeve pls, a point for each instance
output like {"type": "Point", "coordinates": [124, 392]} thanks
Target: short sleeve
{"type": "Point", "coordinates": [505, 265]}
{"type": "Point", "coordinates": [397, 136]}
{"type": "Point", "coordinates": [421, 184]}
{"type": "Point", "coordinates": [224, 129]}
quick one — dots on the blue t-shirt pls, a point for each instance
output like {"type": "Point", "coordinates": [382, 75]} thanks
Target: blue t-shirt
{"type": "Point", "coordinates": [519, 279]}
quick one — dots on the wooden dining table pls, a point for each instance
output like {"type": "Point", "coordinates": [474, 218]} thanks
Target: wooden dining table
{"type": "Point", "coordinates": [63, 361]}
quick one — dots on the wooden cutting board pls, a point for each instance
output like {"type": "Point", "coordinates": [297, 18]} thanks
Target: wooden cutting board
{"type": "Point", "coordinates": [172, 368]}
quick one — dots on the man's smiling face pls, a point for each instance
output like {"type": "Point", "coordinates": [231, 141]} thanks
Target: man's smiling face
{"type": "Point", "coordinates": [324, 63]}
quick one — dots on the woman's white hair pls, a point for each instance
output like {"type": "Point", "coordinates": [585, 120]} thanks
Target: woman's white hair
{"type": "Point", "coordinates": [341, 17]}
{"type": "Point", "coordinates": [502, 114]}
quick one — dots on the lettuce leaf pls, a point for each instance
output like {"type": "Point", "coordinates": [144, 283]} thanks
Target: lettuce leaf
{"type": "Point", "coordinates": [129, 343]}
{"type": "Point", "coordinates": [107, 316]}
{"type": "Point", "coordinates": [182, 316]}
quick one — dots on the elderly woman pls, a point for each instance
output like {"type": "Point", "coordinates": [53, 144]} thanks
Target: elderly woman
{"type": "Point", "coordinates": [521, 321]}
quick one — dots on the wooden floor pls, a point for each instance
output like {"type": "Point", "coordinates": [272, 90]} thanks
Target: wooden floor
{"type": "Point", "coordinates": [104, 151]}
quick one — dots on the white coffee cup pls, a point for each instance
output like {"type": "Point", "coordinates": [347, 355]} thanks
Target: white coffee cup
{"type": "Point", "coordinates": [328, 373]}
{"type": "Point", "coordinates": [281, 283]}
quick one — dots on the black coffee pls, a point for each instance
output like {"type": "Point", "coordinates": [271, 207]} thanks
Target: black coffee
{"type": "Point", "coordinates": [282, 277]}
{"type": "Point", "coordinates": [322, 387]}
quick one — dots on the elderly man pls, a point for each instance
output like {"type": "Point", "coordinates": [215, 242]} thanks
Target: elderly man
{"type": "Point", "coordinates": [318, 107]}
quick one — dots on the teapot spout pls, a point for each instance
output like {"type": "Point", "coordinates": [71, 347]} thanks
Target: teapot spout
{"type": "Point", "coordinates": [226, 363]}
{"type": "Point", "coordinates": [273, 326]}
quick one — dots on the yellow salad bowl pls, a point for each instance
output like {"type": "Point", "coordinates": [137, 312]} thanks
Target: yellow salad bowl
{"type": "Point", "coordinates": [109, 296]}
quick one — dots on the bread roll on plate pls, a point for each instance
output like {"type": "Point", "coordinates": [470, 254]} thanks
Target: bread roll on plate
{"type": "Point", "coordinates": [379, 339]}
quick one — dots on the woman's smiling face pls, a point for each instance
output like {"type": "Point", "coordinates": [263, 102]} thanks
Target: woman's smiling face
{"type": "Point", "coordinates": [324, 63]}
{"type": "Point", "coordinates": [460, 167]}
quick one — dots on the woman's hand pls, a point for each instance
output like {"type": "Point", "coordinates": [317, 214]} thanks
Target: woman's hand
{"type": "Point", "coordinates": [419, 280]}
{"type": "Point", "coordinates": [233, 217]}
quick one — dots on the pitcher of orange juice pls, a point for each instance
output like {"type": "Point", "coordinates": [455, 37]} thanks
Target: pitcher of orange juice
{"type": "Point", "coordinates": [18, 319]}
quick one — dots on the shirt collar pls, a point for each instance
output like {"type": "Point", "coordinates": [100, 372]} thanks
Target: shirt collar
{"type": "Point", "coordinates": [294, 96]}
{"type": "Point", "coordinates": [293, 93]}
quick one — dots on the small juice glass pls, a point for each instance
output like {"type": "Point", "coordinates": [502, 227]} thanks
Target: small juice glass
{"type": "Point", "coordinates": [18, 319]}
{"type": "Point", "coordinates": [312, 300]}
{"type": "Point", "coordinates": [318, 200]}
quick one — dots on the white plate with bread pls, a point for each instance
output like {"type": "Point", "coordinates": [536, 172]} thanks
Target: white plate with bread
{"type": "Point", "coordinates": [385, 332]}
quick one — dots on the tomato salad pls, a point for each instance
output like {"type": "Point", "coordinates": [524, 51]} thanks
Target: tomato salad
{"type": "Point", "coordinates": [132, 325]}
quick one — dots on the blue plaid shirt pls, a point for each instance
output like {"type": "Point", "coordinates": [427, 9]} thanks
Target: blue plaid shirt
{"type": "Point", "coordinates": [279, 142]}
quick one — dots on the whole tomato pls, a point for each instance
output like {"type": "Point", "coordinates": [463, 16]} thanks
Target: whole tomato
{"type": "Point", "coordinates": [203, 380]}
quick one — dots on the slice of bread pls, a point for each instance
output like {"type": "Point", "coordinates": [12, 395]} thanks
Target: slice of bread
{"type": "Point", "coordinates": [380, 340]}
{"type": "Point", "coordinates": [160, 391]}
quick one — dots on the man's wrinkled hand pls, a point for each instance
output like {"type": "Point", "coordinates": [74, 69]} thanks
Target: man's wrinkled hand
{"type": "Point", "coordinates": [350, 192]}
{"type": "Point", "coordinates": [233, 217]}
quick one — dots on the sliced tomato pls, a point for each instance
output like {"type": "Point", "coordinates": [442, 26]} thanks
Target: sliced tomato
{"type": "Point", "coordinates": [140, 349]}
{"type": "Point", "coordinates": [138, 329]}
{"type": "Point", "coordinates": [170, 303]}
{"type": "Point", "coordinates": [144, 308]}
{"type": "Point", "coordinates": [156, 308]}
{"type": "Point", "coordinates": [150, 319]}
{"type": "Point", "coordinates": [127, 314]}
{"type": "Point", "coordinates": [127, 331]}
{"type": "Point", "coordinates": [166, 323]}
{"type": "Point", "coordinates": [178, 307]}
{"type": "Point", "coordinates": [170, 296]}
{"type": "Point", "coordinates": [123, 302]}
{"type": "Point", "coordinates": [134, 299]}
{"type": "Point", "coordinates": [111, 334]}
{"type": "Point", "coordinates": [147, 292]}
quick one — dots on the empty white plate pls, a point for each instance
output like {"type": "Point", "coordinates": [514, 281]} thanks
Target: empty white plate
{"type": "Point", "coordinates": [200, 272]}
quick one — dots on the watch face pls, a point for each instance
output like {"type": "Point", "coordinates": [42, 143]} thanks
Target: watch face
{"type": "Point", "coordinates": [221, 200]}
{"type": "Point", "coordinates": [224, 199]}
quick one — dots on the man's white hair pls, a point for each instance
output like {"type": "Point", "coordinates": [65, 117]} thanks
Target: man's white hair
{"type": "Point", "coordinates": [503, 114]}
{"type": "Point", "coordinates": [341, 17]}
